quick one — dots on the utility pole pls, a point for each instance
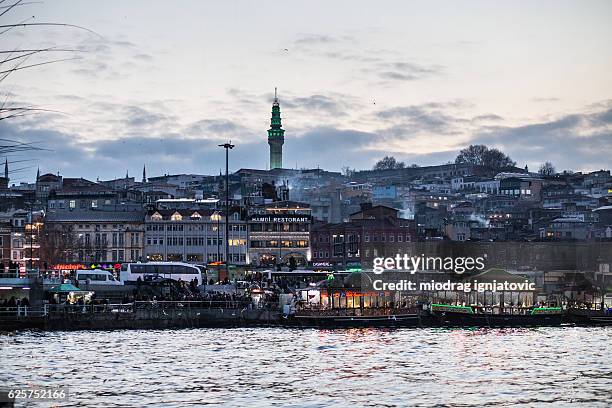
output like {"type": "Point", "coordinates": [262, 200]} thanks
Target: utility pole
{"type": "Point", "coordinates": [227, 147]}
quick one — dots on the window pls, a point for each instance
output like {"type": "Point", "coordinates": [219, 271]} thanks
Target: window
{"type": "Point", "coordinates": [72, 204]}
{"type": "Point", "coordinates": [176, 216]}
{"type": "Point", "coordinates": [195, 258]}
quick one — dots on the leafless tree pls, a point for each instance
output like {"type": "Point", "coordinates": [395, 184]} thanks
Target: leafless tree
{"type": "Point", "coordinates": [58, 243]}
{"type": "Point", "coordinates": [547, 169]}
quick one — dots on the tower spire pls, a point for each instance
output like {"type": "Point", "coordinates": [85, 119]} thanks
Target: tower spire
{"type": "Point", "coordinates": [6, 169]}
{"type": "Point", "coordinates": [144, 173]}
{"type": "Point", "coordinates": [276, 135]}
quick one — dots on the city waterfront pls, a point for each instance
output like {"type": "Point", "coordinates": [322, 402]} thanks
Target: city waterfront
{"type": "Point", "coordinates": [315, 368]}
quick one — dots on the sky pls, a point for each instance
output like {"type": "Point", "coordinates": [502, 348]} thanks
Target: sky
{"type": "Point", "coordinates": [163, 83]}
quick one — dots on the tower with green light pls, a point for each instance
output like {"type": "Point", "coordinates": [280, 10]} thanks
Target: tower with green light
{"type": "Point", "coordinates": [276, 136]}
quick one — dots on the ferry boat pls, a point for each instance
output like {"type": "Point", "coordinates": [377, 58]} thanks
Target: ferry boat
{"type": "Point", "coordinates": [590, 317]}
{"type": "Point", "coordinates": [461, 316]}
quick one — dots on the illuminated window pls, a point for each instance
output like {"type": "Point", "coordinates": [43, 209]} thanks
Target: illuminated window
{"type": "Point", "coordinates": [176, 217]}
{"type": "Point", "coordinates": [156, 216]}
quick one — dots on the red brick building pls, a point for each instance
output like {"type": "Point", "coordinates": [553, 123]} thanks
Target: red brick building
{"type": "Point", "coordinates": [346, 245]}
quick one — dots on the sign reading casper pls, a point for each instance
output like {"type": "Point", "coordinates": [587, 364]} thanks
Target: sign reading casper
{"type": "Point", "coordinates": [281, 218]}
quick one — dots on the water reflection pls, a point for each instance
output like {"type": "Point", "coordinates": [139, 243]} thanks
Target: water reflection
{"type": "Point", "coordinates": [281, 367]}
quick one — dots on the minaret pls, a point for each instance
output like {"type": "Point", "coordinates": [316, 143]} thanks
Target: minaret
{"type": "Point", "coordinates": [276, 136]}
{"type": "Point", "coordinates": [144, 173]}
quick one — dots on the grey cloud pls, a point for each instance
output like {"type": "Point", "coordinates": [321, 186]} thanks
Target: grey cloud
{"type": "Point", "coordinates": [138, 117]}
{"type": "Point", "coordinates": [575, 141]}
{"type": "Point", "coordinates": [405, 71]}
{"type": "Point", "coordinates": [431, 117]}
{"type": "Point", "coordinates": [319, 103]}
{"type": "Point", "coordinates": [542, 99]}
{"type": "Point", "coordinates": [487, 118]}
{"type": "Point", "coordinates": [210, 127]}
{"type": "Point", "coordinates": [397, 76]}
{"type": "Point", "coordinates": [308, 39]}
{"type": "Point", "coordinates": [109, 158]}
{"type": "Point", "coordinates": [144, 57]}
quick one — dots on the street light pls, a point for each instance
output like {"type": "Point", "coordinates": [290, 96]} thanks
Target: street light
{"type": "Point", "coordinates": [227, 147]}
{"type": "Point", "coordinates": [30, 205]}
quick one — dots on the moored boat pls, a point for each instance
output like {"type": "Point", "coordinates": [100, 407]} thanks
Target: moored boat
{"type": "Point", "coordinates": [468, 316]}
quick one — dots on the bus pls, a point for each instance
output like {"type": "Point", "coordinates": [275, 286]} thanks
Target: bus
{"type": "Point", "coordinates": [130, 272]}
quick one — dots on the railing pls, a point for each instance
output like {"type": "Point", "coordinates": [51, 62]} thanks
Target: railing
{"type": "Point", "coordinates": [55, 310]}
{"type": "Point", "coordinates": [18, 312]}
{"type": "Point", "coordinates": [323, 311]}
{"type": "Point", "coordinates": [144, 305]}
{"type": "Point", "coordinates": [193, 304]}
{"type": "Point", "coordinates": [19, 275]}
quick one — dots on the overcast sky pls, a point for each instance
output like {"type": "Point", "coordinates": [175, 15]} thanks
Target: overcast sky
{"type": "Point", "coordinates": [165, 82]}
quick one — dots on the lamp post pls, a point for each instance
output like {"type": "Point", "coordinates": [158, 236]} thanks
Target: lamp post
{"type": "Point", "coordinates": [227, 147]}
{"type": "Point", "coordinates": [218, 217]}
{"type": "Point", "coordinates": [31, 220]}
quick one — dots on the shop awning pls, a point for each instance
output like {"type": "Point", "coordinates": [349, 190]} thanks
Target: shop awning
{"type": "Point", "coordinates": [65, 288]}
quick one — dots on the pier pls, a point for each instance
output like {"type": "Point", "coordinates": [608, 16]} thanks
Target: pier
{"type": "Point", "coordinates": [137, 315]}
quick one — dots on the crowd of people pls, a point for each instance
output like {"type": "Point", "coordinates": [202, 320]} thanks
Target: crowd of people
{"type": "Point", "coordinates": [14, 302]}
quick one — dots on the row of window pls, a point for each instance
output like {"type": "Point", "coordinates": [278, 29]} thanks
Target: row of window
{"type": "Point", "coordinates": [101, 226]}
{"type": "Point", "coordinates": [275, 227]}
{"type": "Point", "coordinates": [201, 227]}
{"type": "Point", "coordinates": [516, 192]}
{"type": "Point", "coordinates": [212, 257]}
{"type": "Point", "coordinates": [324, 239]}
{"type": "Point", "coordinates": [193, 241]}
{"type": "Point", "coordinates": [336, 254]}
{"type": "Point", "coordinates": [116, 255]}
{"type": "Point", "coordinates": [277, 244]}
{"type": "Point", "coordinates": [101, 239]}
{"type": "Point", "coordinates": [72, 204]}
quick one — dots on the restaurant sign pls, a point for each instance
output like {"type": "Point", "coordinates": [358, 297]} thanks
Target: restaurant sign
{"type": "Point", "coordinates": [281, 219]}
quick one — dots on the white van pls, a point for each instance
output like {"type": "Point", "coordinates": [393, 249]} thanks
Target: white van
{"type": "Point", "coordinates": [96, 277]}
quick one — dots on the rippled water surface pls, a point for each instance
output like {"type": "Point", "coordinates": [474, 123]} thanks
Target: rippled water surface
{"type": "Point", "coordinates": [315, 368]}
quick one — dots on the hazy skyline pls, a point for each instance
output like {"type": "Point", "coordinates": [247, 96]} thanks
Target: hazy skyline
{"type": "Point", "coordinates": [164, 84]}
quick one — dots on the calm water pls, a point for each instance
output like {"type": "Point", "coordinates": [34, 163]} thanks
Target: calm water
{"type": "Point", "coordinates": [314, 368]}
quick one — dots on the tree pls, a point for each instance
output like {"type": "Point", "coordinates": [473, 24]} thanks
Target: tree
{"type": "Point", "coordinates": [547, 169]}
{"type": "Point", "coordinates": [58, 243]}
{"type": "Point", "coordinates": [483, 156]}
{"type": "Point", "coordinates": [389, 163]}
{"type": "Point", "coordinates": [347, 171]}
